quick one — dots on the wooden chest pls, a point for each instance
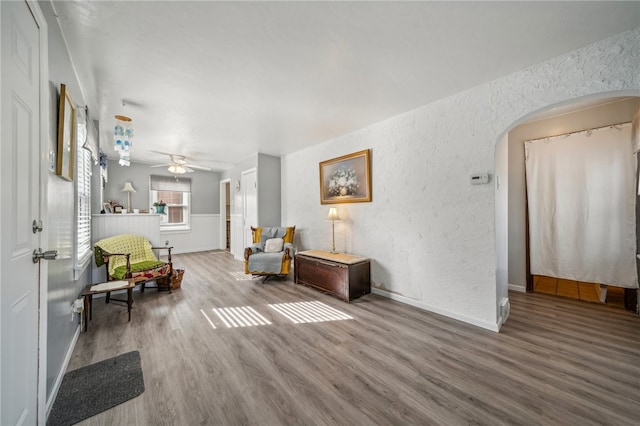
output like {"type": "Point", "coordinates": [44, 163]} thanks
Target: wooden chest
{"type": "Point", "coordinates": [341, 275]}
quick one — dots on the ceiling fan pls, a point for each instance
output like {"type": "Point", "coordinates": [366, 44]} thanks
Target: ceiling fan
{"type": "Point", "coordinates": [179, 165]}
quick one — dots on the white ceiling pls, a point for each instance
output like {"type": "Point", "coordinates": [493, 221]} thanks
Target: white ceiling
{"type": "Point", "coordinates": [220, 81]}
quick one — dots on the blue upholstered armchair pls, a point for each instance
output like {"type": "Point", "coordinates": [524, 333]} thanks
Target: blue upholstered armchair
{"type": "Point", "coordinates": [271, 252]}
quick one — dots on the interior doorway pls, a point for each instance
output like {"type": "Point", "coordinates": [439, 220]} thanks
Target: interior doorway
{"type": "Point", "coordinates": [225, 215]}
{"type": "Point", "coordinates": [579, 116]}
{"type": "Point", "coordinates": [590, 292]}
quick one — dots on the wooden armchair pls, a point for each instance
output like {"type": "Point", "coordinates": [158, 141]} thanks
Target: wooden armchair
{"type": "Point", "coordinates": [261, 259]}
{"type": "Point", "coordinates": [131, 256]}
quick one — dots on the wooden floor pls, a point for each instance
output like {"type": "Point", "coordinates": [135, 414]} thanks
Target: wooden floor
{"type": "Point", "coordinates": [589, 292]}
{"type": "Point", "coordinates": [555, 362]}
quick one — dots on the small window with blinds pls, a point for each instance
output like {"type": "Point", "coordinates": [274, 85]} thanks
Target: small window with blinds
{"type": "Point", "coordinates": [83, 211]}
{"type": "Point", "coordinates": [176, 194]}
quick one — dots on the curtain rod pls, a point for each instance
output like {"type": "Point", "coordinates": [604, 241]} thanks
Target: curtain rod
{"type": "Point", "coordinates": [610, 126]}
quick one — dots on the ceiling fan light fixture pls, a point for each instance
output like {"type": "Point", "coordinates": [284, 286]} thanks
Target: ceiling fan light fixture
{"type": "Point", "coordinates": [177, 169]}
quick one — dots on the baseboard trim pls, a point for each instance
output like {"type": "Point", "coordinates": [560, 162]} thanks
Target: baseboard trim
{"type": "Point", "coordinates": [65, 364]}
{"type": "Point", "coordinates": [195, 250]}
{"type": "Point", "coordinates": [518, 288]}
{"type": "Point", "coordinates": [425, 307]}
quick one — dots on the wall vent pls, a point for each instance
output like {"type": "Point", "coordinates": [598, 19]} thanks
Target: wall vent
{"type": "Point", "coordinates": [503, 309]}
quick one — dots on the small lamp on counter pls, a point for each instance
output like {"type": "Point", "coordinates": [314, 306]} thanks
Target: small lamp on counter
{"type": "Point", "coordinates": [128, 188]}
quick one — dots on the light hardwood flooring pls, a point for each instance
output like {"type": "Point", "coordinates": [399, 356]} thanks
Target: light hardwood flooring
{"type": "Point", "coordinates": [555, 362]}
{"type": "Point", "coordinates": [578, 290]}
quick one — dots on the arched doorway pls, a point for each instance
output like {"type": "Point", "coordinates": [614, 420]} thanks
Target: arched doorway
{"type": "Point", "coordinates": [575, 115]}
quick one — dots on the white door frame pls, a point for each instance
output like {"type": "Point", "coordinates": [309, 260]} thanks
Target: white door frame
{"type": "Point", "coordinates": [244, 202]}
{"type": "Point", "coordinates": [44, 214]}
{"type": "Point", "coordinates": [223, 214]}
{"type": "Point", "coordinates": [43, 135]}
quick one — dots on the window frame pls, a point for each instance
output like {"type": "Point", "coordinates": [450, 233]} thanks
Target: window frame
{"type": "Point", "coordinates": [166, 184]}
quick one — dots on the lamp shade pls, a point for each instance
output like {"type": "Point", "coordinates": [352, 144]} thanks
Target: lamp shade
{"type": "Point", "coordinates": [128, 187]}
{"type": "Point", "coordinates": [333, 214]}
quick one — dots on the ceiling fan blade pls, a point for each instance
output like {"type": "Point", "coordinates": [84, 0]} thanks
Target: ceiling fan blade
{"type": "Point", "coordinates": [197, 167]}
{"type": "Point", "coordinates": [161, 152]}
{"type": "Point", "coordinates": [180, 160]}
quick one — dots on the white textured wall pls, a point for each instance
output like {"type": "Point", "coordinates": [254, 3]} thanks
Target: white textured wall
{"type": "Point", "coordinates": [430, 234]}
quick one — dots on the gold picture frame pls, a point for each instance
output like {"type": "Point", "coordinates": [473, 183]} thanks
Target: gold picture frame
{"type": "Point", "coordinates": [66, 135]}
{"type": "Point", "coordinates": [346, 179]}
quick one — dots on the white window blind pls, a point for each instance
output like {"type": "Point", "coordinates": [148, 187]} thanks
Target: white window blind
{"type": "Point", "coordinates": [83, 209]}
{"type": "Point", "coordinates": [168, 183]}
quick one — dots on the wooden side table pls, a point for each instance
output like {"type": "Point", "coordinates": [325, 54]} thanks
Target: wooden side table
{"type": "Point", "coordinates": [342, 275]}
{"type": "Point", "coordinates": [107, 287]}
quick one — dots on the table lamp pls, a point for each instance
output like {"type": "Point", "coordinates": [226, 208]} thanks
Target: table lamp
{"type": "Point", "coordinates": [128, 189]}
{"type": "Point", "coordinates": [333, 216]}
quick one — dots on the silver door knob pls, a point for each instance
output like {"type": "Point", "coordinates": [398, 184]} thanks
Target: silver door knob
{"type": "Point", "coordinates": [46, 255]}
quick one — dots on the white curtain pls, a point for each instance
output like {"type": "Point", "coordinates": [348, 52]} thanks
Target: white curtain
{"type": "Point", "coordinates": [582, 218]}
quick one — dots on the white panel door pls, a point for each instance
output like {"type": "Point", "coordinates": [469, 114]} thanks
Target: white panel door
{"type": "Point", "coordinates": [250, 203]}
{"type": "Point", "coordinates": [19, 163]}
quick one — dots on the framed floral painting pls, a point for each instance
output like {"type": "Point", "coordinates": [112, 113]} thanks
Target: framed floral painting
{"type": "Point", "coordinates": [346, 179]}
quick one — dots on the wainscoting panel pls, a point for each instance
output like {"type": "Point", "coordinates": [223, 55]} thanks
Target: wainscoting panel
{"type": "Point", "coordinates": [107, 225]}
{"type": "Point", "coordinates": [203, 235]}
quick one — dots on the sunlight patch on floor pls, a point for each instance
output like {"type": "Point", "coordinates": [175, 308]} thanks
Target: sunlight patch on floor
{"type": "Point", "coordinates": [243, 316]}
{"type": "Point", "coordinates": [241, 276]}
{"type": "Point", "coordinates": [306, 312]}
{"type": "Point", "coordinates": [208, 319]}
